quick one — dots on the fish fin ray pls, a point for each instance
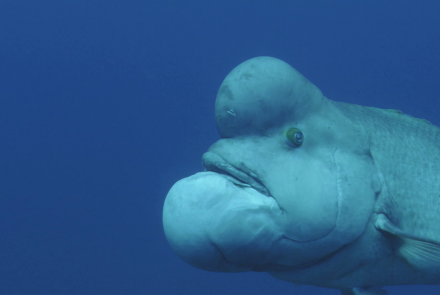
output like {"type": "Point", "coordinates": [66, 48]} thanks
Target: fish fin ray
{"type": "Point", "coordinates": [418, 252]}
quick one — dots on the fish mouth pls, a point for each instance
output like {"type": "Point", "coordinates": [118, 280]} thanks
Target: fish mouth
{"type": "Point", "coordinates": [217, 164]}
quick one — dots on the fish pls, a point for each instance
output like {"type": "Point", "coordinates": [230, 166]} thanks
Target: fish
{"type": "Point", "coordinates": [311, 191]}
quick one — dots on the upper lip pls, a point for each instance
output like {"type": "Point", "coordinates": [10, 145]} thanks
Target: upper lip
{"type": "Point", "coordinates": [216, 163]}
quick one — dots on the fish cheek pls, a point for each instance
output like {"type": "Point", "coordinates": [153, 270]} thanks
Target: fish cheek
{"type": "Point", "coordinates": [309, 197]}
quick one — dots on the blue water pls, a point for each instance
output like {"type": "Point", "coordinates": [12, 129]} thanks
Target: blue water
{"type": "Point", "coordinates": [105, 104]}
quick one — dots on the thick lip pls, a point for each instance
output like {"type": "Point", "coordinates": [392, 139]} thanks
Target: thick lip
{"type": "Point", "coordinates": [216, 163]}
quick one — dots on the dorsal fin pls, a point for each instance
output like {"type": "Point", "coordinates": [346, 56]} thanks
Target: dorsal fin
{"type": "Point", "coordinates": [419, 252]}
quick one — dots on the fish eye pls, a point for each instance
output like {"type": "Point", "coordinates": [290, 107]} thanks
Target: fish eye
{"type": "Point", "coordinates": [294, 137]}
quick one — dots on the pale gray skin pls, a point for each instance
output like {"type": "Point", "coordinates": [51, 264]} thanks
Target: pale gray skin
{"type": "Point", "coordinates": [355, 207]}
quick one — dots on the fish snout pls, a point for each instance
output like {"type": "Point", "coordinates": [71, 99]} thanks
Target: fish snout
{"type": "Point", "coordinates": [215, 225]}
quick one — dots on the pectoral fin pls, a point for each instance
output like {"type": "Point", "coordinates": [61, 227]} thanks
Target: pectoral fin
{"type": "Point", "coordinates": [418, 252]}
{"type": "Point", "coordinates": [365, 291]}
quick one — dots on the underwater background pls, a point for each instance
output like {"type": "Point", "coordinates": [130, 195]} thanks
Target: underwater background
{"type": "Point", "coordinates": [104, 105]}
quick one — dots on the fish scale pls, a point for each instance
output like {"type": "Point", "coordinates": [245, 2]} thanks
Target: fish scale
{"type": "Point", "coordinates": [407, 153]}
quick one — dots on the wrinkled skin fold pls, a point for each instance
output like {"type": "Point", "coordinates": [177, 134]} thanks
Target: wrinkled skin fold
{"type": "Point", "coordinates": [328, 205]}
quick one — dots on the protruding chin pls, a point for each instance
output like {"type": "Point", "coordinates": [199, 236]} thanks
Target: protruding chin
{"type": "Point", "coordinates": [215, 225]}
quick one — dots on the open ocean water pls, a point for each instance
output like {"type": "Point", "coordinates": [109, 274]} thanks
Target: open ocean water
{"type": "Point", "coordinates": [104, 105]}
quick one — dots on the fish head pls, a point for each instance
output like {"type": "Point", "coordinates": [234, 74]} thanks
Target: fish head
{"type": "Point", "coordinates": [290, 182]}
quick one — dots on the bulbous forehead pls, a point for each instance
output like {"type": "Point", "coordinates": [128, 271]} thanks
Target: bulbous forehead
{"type": "Point", "coordinates": [262, 93]}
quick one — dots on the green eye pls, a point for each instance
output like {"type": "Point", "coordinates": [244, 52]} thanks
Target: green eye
{"type": "Point", "coordinates": [294, 137]}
